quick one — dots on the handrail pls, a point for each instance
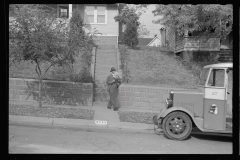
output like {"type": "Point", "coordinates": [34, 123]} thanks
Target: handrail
{"type": "Point", "coordinates": [196, 42]}
{"type": "Point", "coordinates": [184, 37]}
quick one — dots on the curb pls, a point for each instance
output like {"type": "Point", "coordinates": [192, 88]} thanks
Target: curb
{"type": "Point", "coordinates": [80, 123]}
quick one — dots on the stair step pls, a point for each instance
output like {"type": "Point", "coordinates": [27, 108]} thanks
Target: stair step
{"type": "Point", "coordinates": [104, 69]}
{"type": "Point", "coordinates": [106, 50]}
{"type": "Point", "coordinates": [106, 47]}
{"type": "Point", "coordinates": [107, 57]}
{"type": "Point", "coordinates": [104, 66]}
{"type": "Point", "coordinates": [106, 54]}
{"type": "Point", "coordinates": [105, 60]}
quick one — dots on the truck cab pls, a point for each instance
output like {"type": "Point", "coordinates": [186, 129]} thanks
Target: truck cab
{"type": "Point", "coordinates": [209, 107]}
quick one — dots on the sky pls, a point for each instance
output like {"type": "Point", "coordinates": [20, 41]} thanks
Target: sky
{"type": "Point", "coordinates": [147, 18]}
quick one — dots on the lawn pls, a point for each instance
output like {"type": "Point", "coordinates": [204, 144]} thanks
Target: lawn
{"type": "Point", "coordinates": [136, 117]}
{"type": "Point", "coordinates": [51, 112]}
{"type": "Point", "coordinates": [156, 68]}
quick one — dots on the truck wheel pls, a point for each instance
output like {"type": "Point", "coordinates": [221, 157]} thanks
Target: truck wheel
{"type": "Point", "coordinates": [177, 126]}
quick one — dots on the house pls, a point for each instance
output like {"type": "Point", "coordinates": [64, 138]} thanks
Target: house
{"type": "Point", "coordinates": [100, 18]}
{"type": "Point", "coordinates": [146, 19]}
{"type": "Point", "coordinates": [96, 17]}
{"type": "Point", "coordinates": [149, 41]}
{"type": "Point", "coordinates": [194, 43]}
{"type": "Point", "coordinates": [155, 42]}
{"type": "Point", "coordinates": [144, 41]}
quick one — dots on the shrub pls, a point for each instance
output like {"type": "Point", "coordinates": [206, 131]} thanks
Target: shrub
{"type": "Point", "coordinates": [130, 35]}
{"type": "Point", "coordinates": [124, 58]}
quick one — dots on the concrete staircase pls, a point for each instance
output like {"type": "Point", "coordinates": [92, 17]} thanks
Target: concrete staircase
{"type": "Point", "coordinates": [106, 57]}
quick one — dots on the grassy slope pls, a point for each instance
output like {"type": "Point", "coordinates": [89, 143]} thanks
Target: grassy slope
{"type": "Point", "coordinates": [158, 69]}
{"type": "Point", "coordinates": [26, 69]}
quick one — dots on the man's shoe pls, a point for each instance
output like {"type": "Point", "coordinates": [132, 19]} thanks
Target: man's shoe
{"type": "Point", "coordinates": [115, 109]}
{"type": "Point", "coordinates": [109, 107]}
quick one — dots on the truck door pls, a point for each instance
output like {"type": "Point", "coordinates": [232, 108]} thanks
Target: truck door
{"type": "Point", "coordinates": [229, 100]}
{"type": "Point", "coordinates": [215, 100]}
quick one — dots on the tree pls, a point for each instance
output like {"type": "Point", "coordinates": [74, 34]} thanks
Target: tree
{"type": "Point", "coordinates": [142, 31]}
{"type": "Point", "coordinates": [132, 13]}
{"type": "Point", "coordinates": [213, 19]}
{"type": "Point", "coordinates": [130, 35]}
{"type": "Point", "coordinates": [79, 42]}
{"type": "Point", "coordinates": [37, 36]}
{"type": "Point", "coordinates": [128, 14]}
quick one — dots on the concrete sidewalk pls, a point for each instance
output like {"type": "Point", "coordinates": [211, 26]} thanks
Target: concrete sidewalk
{"type": "Point", "coordinates": [103, 118]}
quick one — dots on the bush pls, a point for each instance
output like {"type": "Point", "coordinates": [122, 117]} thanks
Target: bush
{"type": "Point", "coordinates": [124, 58]}
{"type": "Point", "coordinates": [130, 35]}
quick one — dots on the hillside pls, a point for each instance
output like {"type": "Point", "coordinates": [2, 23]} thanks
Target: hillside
{"type": "Point", "coordinates": [159, 68]}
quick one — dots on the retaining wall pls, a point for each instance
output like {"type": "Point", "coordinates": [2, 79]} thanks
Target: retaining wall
{"type": "Point", "coordinates": [143, 96]}
{"type": "Point", "coordinates": [53, 92]}
{"type": "Point", "coordinates": [152, 97]}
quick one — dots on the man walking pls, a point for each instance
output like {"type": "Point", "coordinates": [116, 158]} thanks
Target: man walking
{"type": "Point", "coordinates": [113, 84]}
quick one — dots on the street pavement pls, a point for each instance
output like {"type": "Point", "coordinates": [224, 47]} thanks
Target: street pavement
{"type": "Point", "coordinates": [104, 134]}
{"type": "Point", "coordinates": [103, 118]}
{"type": "Point", "coordinates": [38, 138]}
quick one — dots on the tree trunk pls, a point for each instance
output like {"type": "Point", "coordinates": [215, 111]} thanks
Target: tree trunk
{"type": "Point", "coordinates": [40, 95]}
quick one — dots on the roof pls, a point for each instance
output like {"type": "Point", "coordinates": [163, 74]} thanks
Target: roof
{"type": "Point", "coordinates": [153, 40]}
{"type": "Point", "coordinates": [144, 41]}
{"type": "Point", "coordinates": [220, 65]}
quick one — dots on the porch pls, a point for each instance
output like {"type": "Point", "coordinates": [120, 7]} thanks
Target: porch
{"type": "Point", "coordinates": [195, 43]}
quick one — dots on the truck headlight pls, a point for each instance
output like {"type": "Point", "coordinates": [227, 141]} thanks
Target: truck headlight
{"type": "Point", "coordinates": [169, 103]}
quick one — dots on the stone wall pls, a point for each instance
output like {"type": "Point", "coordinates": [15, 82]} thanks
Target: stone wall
{"type": "Point", "coordinates": [143, 96]}
{"type": "Point", "coordinates": [53, 92]}
{"type": "Point", "coordinates": [152, 97]}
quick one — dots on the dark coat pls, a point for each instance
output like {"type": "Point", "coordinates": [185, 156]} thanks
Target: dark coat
{"type": "Point", "coordinates": [112, 89]}
{"type": "Point", "coordinates": [111, 81]}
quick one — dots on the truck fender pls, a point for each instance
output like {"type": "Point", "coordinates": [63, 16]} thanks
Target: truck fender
{"type": "Point", "coordinates": [172, 109]}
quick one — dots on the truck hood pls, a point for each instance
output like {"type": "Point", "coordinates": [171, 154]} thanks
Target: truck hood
{"type": "Point", "coordinates": [187, 91]}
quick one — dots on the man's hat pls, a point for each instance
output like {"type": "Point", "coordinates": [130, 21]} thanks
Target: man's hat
{"type": "Point", "coordinates": [113, 69]}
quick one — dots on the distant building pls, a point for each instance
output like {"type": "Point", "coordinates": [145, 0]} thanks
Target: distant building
{"type": "Point", "coordinates": [154, 42]}
{"type": "Point", "coordinates": [144, 41]}
{"type": "Point", "coordinates": [198, 43]}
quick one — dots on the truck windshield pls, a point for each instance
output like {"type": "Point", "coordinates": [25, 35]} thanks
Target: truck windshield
{"type": "Point", "coordinates": [216, 78]}
{"type": "Point", "coordinates": [203, 76]}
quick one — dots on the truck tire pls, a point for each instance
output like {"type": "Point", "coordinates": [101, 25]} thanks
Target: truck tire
{"type": "Point", "coordinates": [177, 126]}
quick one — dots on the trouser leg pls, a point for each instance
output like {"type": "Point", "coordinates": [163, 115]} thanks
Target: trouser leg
{"type": "Point", "coordinates": [117, 103]}
{"type": "Point", "coordinates": [110, 102]}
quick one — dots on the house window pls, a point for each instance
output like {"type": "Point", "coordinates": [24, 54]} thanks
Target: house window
{"type": "Point", "coordinates": [63, 11]}
{"type": "Point", "coordinates": [96, 14]}
{"type": "Point", "coordinates": [90, 14]}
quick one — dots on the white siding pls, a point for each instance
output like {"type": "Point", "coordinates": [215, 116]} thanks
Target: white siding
{"type": "Point", "coordinates": [156, 42]}
{"type": "Point", "coordinates": [170, 38]}
{"type": "Point", "coordinates": [111, 28]}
